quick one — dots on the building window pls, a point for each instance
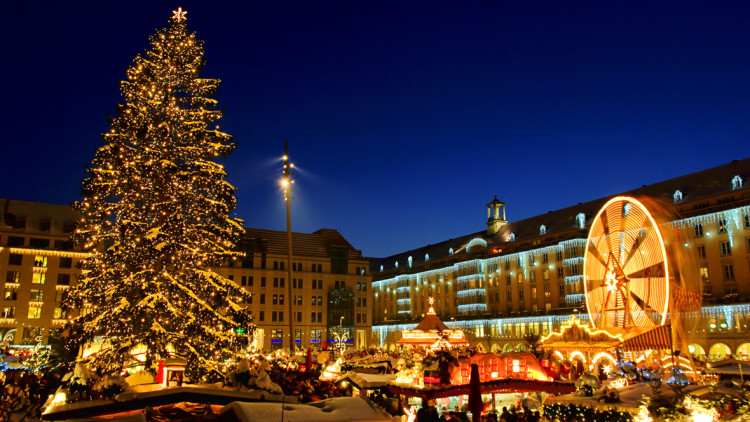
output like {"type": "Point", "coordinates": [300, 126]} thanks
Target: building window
{"type": "Point", "coordinates": [545, 274]}
{"type": "Point", "coordinates": [698, 230]}
{"type": "Point", "coordinates": [746, 219]}
{"type": "Point", "coordinates": [520, 295]}
{"type": "Point", "coordinates": [509, 296]}
{"type": "Point", "coordinates": [262, 282]}
{"type": "Point", "coordinates": [320, 300]}
{"type": "Point", "coordinates": [38, 243]}
{"type": "Point", "coordinates": [533, 293]}
{"type": "Point", "coordinates": [728, 272]}
{"type": "Point", "coordinates": [545, 258]}
{"type": "Point", "coordinates": [262, 316]}
{"type": "Point", "coordinates": [38, 278]}
{"type": "Point", "coordinates": [722, 225]}
{"type": "Point", "coordinates": [63, 279]}
{"type": "Point", "coordinates": [277, 336]}
{"type": "Point", "coordinates": [35, 312]}
{"type": "Point", "coordinates": [66, 262]}
{"type": "Point", "coordinates": [273, 316]}
{"type": "Point", "coordinates": [677, 196]}
{"type": "Point", "coordinates": [701, 251]}
{"type": "Point", "coordinates": [703, 272]}
{"type": "Point", "coordinates": [59, 313]}
{"type": "Point", "coordinates": [281, 299]}
{"type": "Point", "coordinates": [507, 265]}
{"type": "Point", "coordinates": [532, 276]}
{"type": "Point", "coordinates": [726, 248]}
{"type": "Point", "coordinates": [320, 317]}
{"type": "Point", "coordinates": [558, 255]}
{"type": "Point", "coordinates": [11, 293]}
{"type": "Point", "coordinates": [9, 311]}
{"type": "Point", "coordinates": [13, 277]}
{"type": "Point", "coordinates": [547, 293]}
{"type": "Point", "coordinates": [40, 261]}
{"type": "Point", "coordinates": [560, 273]}
{"type": "Point", "coordinates": [275, 300]}
{"type": "Point", "coordinates": [15, 259]}
{"type": "Point", "coordinates": [69, 226]}
{"type": "Point", "coordinates": [15, 241]}
{"type": "Point", "coordinates": [262, 298]}
{"type": "Point", "coordinates": [36, 295]}
{"type": "Point", "coordinates": [275, 282]}
{"type": "Point", "coordinates": [519, 278]}
{"type": "Point", "coordinates": [561, 290]}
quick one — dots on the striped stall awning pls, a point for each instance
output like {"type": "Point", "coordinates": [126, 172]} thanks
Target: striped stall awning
{"type": "Point", "coordinates": [659, 337]}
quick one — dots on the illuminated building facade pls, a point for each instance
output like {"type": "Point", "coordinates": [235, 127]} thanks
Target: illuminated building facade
{"type": "Point", "coordinates": [37, 267]}
{"type": "Point", "coordinates": [330, 279]}
{"type": "Point", "coordinates": [526, 276]}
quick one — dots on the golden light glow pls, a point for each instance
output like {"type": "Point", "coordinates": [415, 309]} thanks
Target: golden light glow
{"type": "Point", "coordinates": [622, 229]}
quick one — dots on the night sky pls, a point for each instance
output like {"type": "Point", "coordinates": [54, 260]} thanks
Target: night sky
{"type": "Point", "coordinates": [403, 117]}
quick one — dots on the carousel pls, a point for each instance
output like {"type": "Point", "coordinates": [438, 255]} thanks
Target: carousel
{"type": "Point", "coordinates": [432, 333]}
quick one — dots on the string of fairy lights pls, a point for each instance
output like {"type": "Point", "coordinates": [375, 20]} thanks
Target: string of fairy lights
{"type": "Point", "coordinates": [156, 218]}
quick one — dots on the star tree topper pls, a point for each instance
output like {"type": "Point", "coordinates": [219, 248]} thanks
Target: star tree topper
{"type": "Point", "coordinates": [179, 14]}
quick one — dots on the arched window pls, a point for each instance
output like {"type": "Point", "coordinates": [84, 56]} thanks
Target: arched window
{"type": "Point", "coordinates": [410, 261]}
{"type": "Point", "coordinates": [450, 251]}
{"type": "Point", "coordinates": [426, 257]}
{"type": "Point", "coordinates": [396, 264]}
{"type": "Point", "coordinates": [512, 237]}
{"type": "Point", "coordinates": [581, 220]}
{"type": "Point", "coordinates": [542, 229]}
{"type": "Point", "coordinates": [381, 268]}
{"type": "Point", "coordinates": [677, 196]}
{"type": "Point", "coordinates": [736, 182]}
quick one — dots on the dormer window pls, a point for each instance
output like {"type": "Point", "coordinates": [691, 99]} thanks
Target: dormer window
{"type": "Point", "coordinates": [677, 196]}
{"type": "Point", "coordinates": [542, 229]}
{"type": "Point", "coordinates": [736, 182]}
{"type": "Point", "coordinates": [512, 237]}
{"type": "Point", "coordinates": [581, 221]}
{"type": "Point", "coordinates": [396, 264]}
{"type": "Point", "coordinates": [381, 268]}
{"type": "Point", "coordinates": [450, 251]}
{"type": "Point", "coordinates": [410, 261]}
{"type": "Point", "coordinates": [426, 257]}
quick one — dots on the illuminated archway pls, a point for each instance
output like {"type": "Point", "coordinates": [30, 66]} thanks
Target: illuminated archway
{"type": "Point", "coordinates": [521, 347]}
{"type": "Point", "coordinates": [743, 351]}
{"type": "Point", "coordinates": [495, 348]}
{"type": "Point", "coordinates": [577, 355]}
{"type": "Point", "coordinates": [719, 351]}
{"type": "Point", "coordinates": [696, 350]}
{"type": "Point", "coordinates": [507, 348]}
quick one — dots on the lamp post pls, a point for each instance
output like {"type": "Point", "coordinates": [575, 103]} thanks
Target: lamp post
{"type": "Point", "coordinates": [286, 183]}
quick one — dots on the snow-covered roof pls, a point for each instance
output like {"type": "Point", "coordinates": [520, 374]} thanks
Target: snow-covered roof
{"type": "Point", "coordinates": [354, 409]}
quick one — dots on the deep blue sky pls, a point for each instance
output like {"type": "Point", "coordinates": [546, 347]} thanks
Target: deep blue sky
{"type": "Point", "coordinates": [404, 117]}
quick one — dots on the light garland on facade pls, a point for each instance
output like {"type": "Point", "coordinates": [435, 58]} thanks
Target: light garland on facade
{"type": "Point", "coordinates": [47, 252]}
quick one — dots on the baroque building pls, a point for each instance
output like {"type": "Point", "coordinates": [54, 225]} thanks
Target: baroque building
{"type": "Point", "coordinates": [526, 276]}
{"type": "Point", "coordinates": [330, 282]}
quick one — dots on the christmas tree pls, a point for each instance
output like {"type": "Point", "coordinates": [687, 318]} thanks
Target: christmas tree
{"type": "Point", "coordinates": [156, 217]}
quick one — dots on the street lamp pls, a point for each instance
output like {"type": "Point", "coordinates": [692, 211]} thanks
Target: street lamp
{"type": "Point", "coordinates": [287, 184]}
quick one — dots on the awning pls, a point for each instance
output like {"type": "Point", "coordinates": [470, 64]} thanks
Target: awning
{"type": "Point", "coordinates": [659, 337]}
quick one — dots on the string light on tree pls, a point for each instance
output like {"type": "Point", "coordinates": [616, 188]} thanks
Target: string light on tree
{"type": "Point", "coordinates": [156, 218]}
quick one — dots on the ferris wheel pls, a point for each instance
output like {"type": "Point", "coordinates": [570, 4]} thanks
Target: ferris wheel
{"type": "Point", "coordinates": [625, 267]}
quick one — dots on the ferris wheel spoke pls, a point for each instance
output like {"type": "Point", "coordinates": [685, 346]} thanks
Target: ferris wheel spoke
{"type": "Point", "coordinates": [653, 270]}
{"type": "Point", "coordinates": [596, 255]}
{"type": "Point", "coordinates": [635, 248]}
{"type": "Point", "coordinates": [652, 291]}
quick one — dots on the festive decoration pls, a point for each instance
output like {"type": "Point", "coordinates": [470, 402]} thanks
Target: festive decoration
{"type": "Point", "coordinates": [155, 217]}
